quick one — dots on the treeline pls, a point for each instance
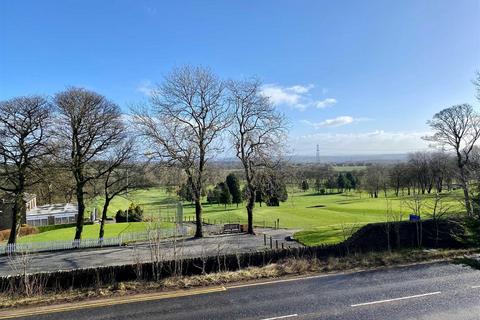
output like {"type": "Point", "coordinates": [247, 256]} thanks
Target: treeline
{"type": "Point", "coordinates": [422, 173]}
{"type": "Point", "coordinates": [271, 189]}
{"type": "Point", "coordinates": [332, 181]}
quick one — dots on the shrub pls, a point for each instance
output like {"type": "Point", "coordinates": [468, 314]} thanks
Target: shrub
{"type": "Point", "coordinates": [134, 212]}
{"type": "Point", "coordinates": [25, 230]}
{"type": "Point", "coordinates": [471, 235]}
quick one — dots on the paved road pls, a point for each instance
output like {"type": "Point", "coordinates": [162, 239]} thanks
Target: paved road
{"type": "Point", "coordinates": [435, 291]}
{"type": "Point", "coordinates": [74, 259]}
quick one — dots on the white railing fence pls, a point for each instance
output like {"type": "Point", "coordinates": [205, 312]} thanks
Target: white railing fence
{"type": "Point", "coordinates": [122, 239]}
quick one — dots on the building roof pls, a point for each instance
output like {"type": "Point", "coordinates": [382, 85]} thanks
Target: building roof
{"type": "Point", "coordinates": [56, 209]}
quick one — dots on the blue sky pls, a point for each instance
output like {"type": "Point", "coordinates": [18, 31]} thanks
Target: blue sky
{"type": "Point", "coordinates": [356, 77]}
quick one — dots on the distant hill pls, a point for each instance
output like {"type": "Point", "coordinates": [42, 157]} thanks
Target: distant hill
{"type": "Point", "coordinates": [343, 160]}
{"type": "Point", "coordinates": [351, 159]}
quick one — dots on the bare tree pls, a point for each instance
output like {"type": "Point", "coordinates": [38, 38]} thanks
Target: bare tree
{"type": "Point", "coordinates": [476, 83]}
{"type": "Point", "coordinates": [416, 204]}
{"type": "Point", "coordinates": [186, 117]}
{"type": "Point", "coordinates": [88, 126]}
{"type": "Point", "coordinates": [375, 179]}
{"type": "Point", "coordinates": [24, 142]}
{"type": "Point", "coordinates": [117, 176]}
{"type": "Point", "coordinates": [258, 132]}
{"type": "Point", "coordinates": [458, 127]}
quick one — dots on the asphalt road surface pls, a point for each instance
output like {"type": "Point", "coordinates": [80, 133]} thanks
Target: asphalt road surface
{"type": "Point", "coordinates": [433, 291]}
{"type": "Point", "coordinates": [75, 259]}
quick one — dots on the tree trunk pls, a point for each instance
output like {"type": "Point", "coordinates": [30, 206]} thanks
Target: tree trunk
{"type": "Point", "coordinates": [198, 216]}
{"type": "Point", "coordinates": [81, 212]}
{"type": "Point", "coordinates": [104, 218]}
{"type": "Point", "coordinates": [250, 205]}
{"type": "Point", "coordinates": [466, 194]}
{"type": "Point", "coordinates": [15, 213]}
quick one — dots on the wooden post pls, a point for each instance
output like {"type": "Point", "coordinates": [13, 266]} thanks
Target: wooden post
{"type": "Point", "coordinates": [271, 242]}
{"type": "Point", "coordinates": [276, 244]}
{"type": "Point", "coordinates": [264, 239]}
{"type": "Point", "coordinates": [278, 223]}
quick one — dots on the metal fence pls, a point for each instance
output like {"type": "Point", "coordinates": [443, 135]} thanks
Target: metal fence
{"type": "Point", "coordinates": [93, 243]}
{"type": "Point", "coordinates": [271, 224]}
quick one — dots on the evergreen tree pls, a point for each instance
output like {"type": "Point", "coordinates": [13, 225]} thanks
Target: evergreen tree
{"type": "Point", "coordinates": [318, 185]}
{"type": "Point", "coordinates": [305, 185]}
{"type": "Point", "coordinates": [185, 193]}
{"type": "Point", "coordinates": [212, 196]}
{"type": "Point", "coordinates": [224, 196]}
{"type": "Point", "coordinates": [274, 190]}
{"type": "Point", "coordinates": [340, 182]}
{"type": "Point", "coordinates": [259, 196]}
{"type": "Point", "coordinates": [234, 188]}
{"type": "Point", "coordinates": [351, 180]}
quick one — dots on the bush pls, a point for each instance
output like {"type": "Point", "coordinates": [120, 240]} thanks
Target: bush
{"type": "Point", "coordinates": [25, 230]}
{"type": "Point", "coordinates": [471, 236]}
{"type": "Point", "coordinates": [134, 212]}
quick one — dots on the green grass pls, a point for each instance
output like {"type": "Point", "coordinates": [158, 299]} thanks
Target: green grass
{"type": "Point", "coordinates": [154, 201]}
{"type": "Point", "coordinates": [322, 235]}
{"type": "Point", "coordinates": [320, 216]}
{"type": "Point", "coordinates": [89, 232]}
{"type": "Point", "coordinates": [304, 210]}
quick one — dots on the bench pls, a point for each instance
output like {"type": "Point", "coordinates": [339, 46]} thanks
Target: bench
{"type": "Point", "coordinates": [231, 227]}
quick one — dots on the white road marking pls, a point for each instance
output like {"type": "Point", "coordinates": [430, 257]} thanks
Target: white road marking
{"type": "Point", "coordinates": [475, 287]}
{"type": "Point", "coordinates": [395, 299]}
{"type": "Point", "coordinates": [282, 317]}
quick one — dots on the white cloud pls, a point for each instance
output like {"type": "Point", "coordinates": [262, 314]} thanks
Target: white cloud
{"type": "Point", "coordinates": [335, 122]}
{"type": "Point", "coordinates": [282, 96]}
{"type": "Point", "coordinates": [146, 87]}
{"type": "Point", "coordinates": [296, 96]}
{"type": "Point", "coordinates": [373, 142]}
{"type": "Point", "coordinates": [320, 104]}
{"type": "Point", "coordinates": [301, 89]}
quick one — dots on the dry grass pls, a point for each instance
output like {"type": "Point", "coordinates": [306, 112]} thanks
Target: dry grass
{"type": "Point", "coordinates": [289, 267]}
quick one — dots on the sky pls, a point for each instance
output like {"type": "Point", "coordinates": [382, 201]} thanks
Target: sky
{"type": "Point", "coordinates": [354, 77]}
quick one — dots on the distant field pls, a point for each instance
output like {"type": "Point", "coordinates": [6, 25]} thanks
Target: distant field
{"type": "Point", "coordinates": [349, 168]}
{"type": "Point", "coordinates": [321, 217]}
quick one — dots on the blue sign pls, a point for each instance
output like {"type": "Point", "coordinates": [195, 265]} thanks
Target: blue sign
{"type": "Point", "coordinates": [414, 217]}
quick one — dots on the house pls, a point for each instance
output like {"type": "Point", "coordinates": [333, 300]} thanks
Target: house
{"type": "Point", "coordinates": [50, 214]}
